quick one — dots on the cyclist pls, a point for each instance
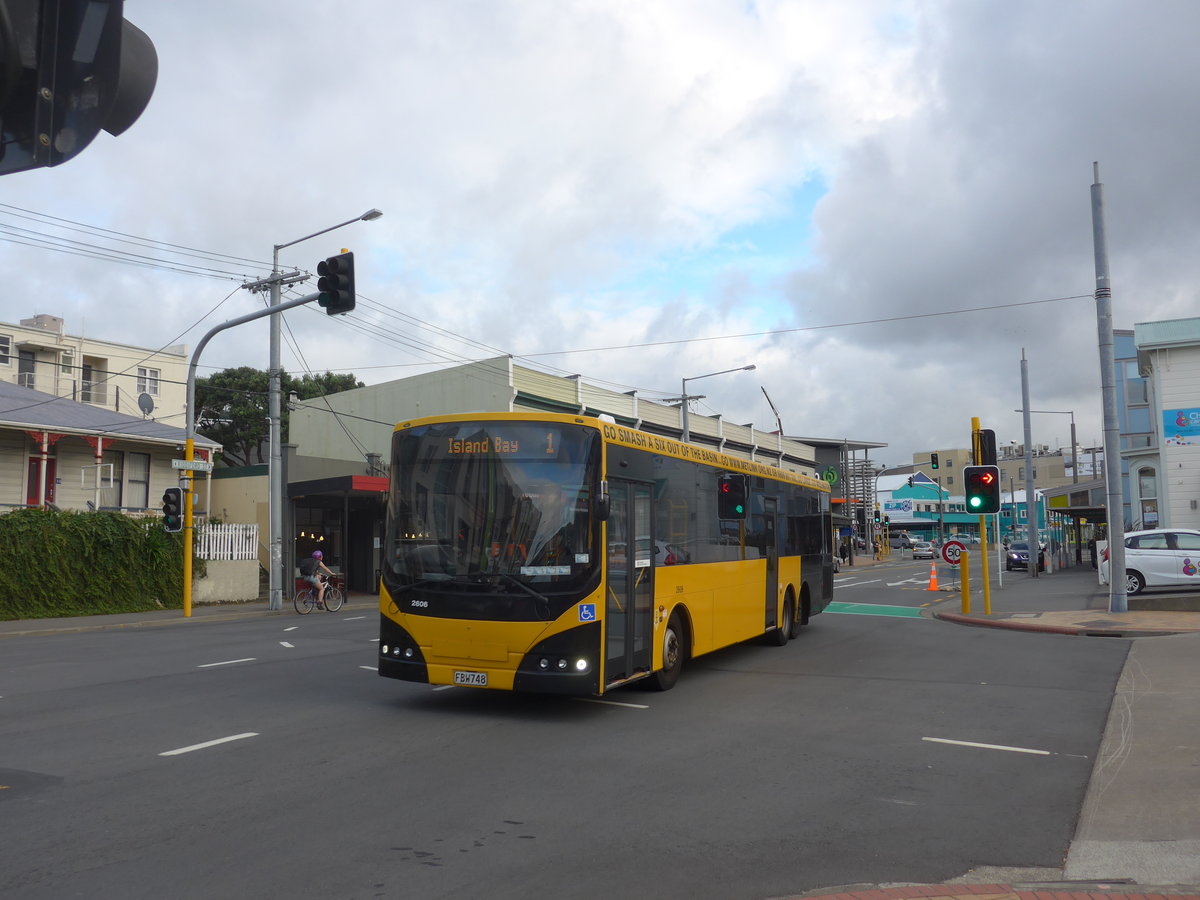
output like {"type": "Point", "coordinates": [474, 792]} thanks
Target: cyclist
{"type": "Point", "coordinates": [310, 571]}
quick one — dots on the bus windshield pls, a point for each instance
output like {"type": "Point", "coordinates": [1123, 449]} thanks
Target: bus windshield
{"type": "Point", "coordinates": [498, 503]}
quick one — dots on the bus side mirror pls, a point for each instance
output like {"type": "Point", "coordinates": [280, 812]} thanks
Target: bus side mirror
{"type": "Point", "coordinates": [603, 506]}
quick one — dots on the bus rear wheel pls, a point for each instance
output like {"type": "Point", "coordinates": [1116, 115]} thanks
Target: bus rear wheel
{"type": "Point", "coordinates": [673, 652]}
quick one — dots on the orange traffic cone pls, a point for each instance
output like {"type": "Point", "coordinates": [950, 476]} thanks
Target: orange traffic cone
{"type": "Point", "coordinates": [932, 577]}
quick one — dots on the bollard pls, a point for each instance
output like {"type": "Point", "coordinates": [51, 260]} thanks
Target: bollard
{"type": "Point", "coordinates": [964, 563]}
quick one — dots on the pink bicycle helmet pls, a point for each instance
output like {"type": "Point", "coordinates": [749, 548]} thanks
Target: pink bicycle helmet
{"type": "Point", "coordinates": [317, 554]}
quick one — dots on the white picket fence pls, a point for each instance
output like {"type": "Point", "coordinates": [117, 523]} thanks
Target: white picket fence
{"type": "Point", "coordinates": [227, 541]}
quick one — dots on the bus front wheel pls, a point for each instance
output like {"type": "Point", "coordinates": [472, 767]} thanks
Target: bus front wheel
{"type": "Point", "coordinates": [673, 651]}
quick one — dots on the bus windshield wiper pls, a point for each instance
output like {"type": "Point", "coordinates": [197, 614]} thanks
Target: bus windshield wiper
{"type": "Point", "coordinates": [543, 602]}
{"type": "Point", "coordinates": [420, 582]}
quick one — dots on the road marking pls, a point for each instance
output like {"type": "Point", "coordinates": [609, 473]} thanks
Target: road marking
{"type": "Point", "coordinates": [611, 703]}
{"type": "Point", "coordinates": [228, 662]}
{"type": "Point", "coordinates": [353, 618]}
{"type": "Point", "coordinates": [370, 668]}
{"type": "Point", "coordinates": [857, 583]}
{"type": "Point", "coordinates": [987, 746]}
{"type": "Point", "coordinates": [443, 687]}
{"type": "Point", "coordinates": [291, 628]}
{"type": "Point", "coordinates": [207, 744]}
{"type": "Point", "coordinates": [874, 609]}
{"type": "Point", "coordinates": [373, 641]}
{"type": "Point", "coordinates": [286, 644]}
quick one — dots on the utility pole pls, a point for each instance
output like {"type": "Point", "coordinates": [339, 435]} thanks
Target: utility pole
{"type": "Point", "coordinates": [1117, 601]}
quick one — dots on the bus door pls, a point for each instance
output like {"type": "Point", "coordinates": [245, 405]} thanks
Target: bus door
{"type": "Point", "coordinates": [771, 552]}
{"type": "Point", "coordinates": [629, 587]}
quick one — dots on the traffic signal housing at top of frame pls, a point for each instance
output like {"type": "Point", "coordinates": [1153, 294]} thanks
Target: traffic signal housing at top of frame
{"type": "Point", "coordinates": [68, 70]}
{"type": "Point", "coordinates": [731, 496]}
{"type": "Point", "coordinates": [335, 281]}
{"type": "Point", "coordinates": [933, 460]}
{"type": "Point", "coordinates": [982, 489]}
{"type": "Point", "coordinates": [172, 509]}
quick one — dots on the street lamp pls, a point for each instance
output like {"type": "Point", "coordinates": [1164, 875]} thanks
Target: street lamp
{"type": "Point", "coordinates": [275, 462]}
{"type": "Point", "coordinates": [687, 435]}
{"type": "Point", "coordinates": [1074, 446]}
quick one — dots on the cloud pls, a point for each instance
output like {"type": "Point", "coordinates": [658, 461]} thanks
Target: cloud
{"type": "Point", "coordinates": [599, 173]}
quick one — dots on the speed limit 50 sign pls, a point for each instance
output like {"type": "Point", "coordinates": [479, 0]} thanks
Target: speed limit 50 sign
{"type": "Point", "coordinates": [951, 551]}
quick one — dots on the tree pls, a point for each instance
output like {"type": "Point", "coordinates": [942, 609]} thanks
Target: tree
{"type": "Point", "coordinates": [232, 408]}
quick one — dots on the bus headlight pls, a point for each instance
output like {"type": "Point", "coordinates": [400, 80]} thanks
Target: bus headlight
{"type": "Point", "coordinates": [581, 665]}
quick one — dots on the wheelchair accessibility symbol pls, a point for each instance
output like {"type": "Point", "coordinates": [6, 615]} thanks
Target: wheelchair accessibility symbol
{"type": "Point", "coordinates": [587, 612]}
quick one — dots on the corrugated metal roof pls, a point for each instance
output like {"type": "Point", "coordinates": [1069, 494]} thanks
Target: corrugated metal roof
{"type": "Point", "coordinates": [32, 410]}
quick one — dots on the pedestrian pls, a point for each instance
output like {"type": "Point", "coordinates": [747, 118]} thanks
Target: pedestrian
{"type": "Point", "coordinates": [844, 551]}
{"type": "Point", "coordinates": [875, 548]}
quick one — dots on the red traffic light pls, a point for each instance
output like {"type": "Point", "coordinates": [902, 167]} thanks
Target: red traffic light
{"type": "Point", "coordinates": [982, 489]}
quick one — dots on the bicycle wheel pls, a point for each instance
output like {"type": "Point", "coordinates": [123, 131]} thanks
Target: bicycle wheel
{"type": "Point", "coordinates": [333, 598]}
{"type": "Point", "coordinates": [304, 601]}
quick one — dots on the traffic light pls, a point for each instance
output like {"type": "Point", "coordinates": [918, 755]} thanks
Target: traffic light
{"type": "Point", "coordinates": [933, 460]}
{"type": "Point", "coordinates": [876, 513]}
{"type": "Point", "coordinates": [68, 69]}
{"type": "Point", "coordinates": [731, 496]}
{"type": "Point", "coordinates": [982, 489]}
{"type": "Point", "coordinates": [910, 481]}
{"type": "Point", "coordinates": [987, 447]}
{"type": "Point", "coordinates": [172, 509]}
{"type": "Point", "coordinates": [335, 281]}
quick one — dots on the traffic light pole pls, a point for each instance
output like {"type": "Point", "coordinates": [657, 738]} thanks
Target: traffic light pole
{"type": "Point", "coordinates": [189, 453]}
{"type": "Point", "coordinates": [977, 449]}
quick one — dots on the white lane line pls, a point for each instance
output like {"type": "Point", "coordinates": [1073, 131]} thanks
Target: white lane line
{"type": "Point", "coordinates": [370, 668]}
{"type": "Point", "coordinates": [987, 746]}
{"type": "Point", "coordinates": [291, 628]}
{"type": "Point", "coordinates": [373, 641]}
{"type": "Point", "coordinates": [611, 703]}
{"type": "Point", "coordinates": [228, 662]}
{"type": "Point", "coordinates": [353, 618]}
{"type": "Point", "coordinates": [857, 583]}
{"type": "Point", "coordinates": [207, 744]}
{"type": "Point", "coordinates": [286, 644]}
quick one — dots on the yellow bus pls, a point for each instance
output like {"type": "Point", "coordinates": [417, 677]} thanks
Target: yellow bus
{"type": "Point", "coordinates": [568, 554]}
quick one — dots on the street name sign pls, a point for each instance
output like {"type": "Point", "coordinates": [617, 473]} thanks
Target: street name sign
{"type": "Point", "coordinates": [196, 465]}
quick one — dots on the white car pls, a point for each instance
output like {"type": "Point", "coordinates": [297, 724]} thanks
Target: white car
{"type": "Point", "coordinates": [1160, 557]}
{"type": "Point", "coordinates": [922, 550]}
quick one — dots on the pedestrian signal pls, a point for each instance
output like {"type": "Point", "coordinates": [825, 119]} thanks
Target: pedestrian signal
{"type": "Point", "coordinates": [731, 496]}
{"type": "Point", "coordinates": [982, 489]}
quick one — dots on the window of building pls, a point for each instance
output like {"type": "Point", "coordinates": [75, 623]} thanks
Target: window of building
{"type": "Point", "coordinates": [138, 475]}
{"type": "Point", "coordinates": [110, 497]}
{"type": "Point", "coordinates": [1147, 487]}
{"type": "Point", "coordinates": [26, 364]}
{"type": "Point", "coordinates": [1135, 385]}
{"type": "Point", "coordinates": [66, 362]}
{"type": "Point", "coordinates": [147, 381]}
{"type": "Point", "coordinates": [5, 349]}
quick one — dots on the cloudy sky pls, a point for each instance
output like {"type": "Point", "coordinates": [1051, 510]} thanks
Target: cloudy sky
{"type": "Point", "coordinates": [880, 205]}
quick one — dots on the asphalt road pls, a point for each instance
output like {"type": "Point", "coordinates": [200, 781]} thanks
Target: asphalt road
{"type": "Point", "coordinates": [266, 758]}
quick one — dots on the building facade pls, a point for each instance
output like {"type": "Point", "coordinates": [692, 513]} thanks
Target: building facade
{"type": "Point", "coordinates": [1163, 489]}
{"type": "Point", "coordinates": [37, 353]}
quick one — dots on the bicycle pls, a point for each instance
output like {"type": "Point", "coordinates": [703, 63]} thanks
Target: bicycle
{"type": "Point", "coordinates": [306, 599]}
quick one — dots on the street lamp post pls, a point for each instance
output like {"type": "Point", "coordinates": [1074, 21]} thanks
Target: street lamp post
{"type": "Point", "coordinates": [687, 435]}
{"type": "Point", "coordinates": [275, 462]}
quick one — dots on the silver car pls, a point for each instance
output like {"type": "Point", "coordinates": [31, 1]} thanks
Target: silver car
{"type": "Point", "coordinates": [1160, 557]}
{"type": "Point", "coordinates": [922, 550]}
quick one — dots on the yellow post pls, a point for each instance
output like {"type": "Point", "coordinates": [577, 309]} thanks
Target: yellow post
{"type": "Point", "coordinates": [964, 563]}
{"type": "Point", "coordinates": [189, 454]}
{"type": "Point", "coordinates": [983, 570]}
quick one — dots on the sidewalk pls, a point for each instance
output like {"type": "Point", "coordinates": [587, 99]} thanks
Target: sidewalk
{"type": "Point", "coordinates": [356, 603]}
{"type": "Point", "coordinates": [1030, 891]}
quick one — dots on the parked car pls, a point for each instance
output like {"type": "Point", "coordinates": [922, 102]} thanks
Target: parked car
{"type": "Point", "coordinates": [1018, 557]}
{"type": "Point", "coordinates": [1160, 557]}
{"type": "Point", "coordinates": [922, 550]}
